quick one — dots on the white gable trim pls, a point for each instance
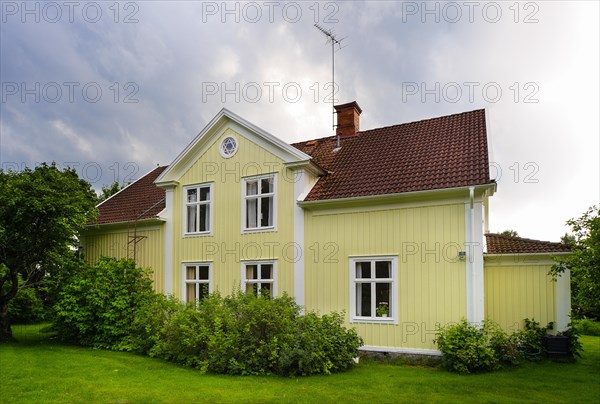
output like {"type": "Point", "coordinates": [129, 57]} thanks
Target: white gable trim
{"type": "Point", "coordinates": [227, 119]}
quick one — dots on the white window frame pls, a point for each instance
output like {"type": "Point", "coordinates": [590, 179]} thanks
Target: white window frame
{"type": "Point", "coordinates": [393, 304]}
{"type": "Point", "coordinates": [246, 197]}
{"type": "Point", "coordinates": [245, 281]}
{"type": "Point", "coordinates": [196, 281]}
{"type": "Point", "coordinates": [209, 203]}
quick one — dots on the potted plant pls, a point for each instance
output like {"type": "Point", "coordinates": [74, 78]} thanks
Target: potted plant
{"type": "Point", "coordinates": [383, 309]}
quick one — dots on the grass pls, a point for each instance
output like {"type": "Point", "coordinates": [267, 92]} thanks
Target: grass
{"type": "Point", "coordinates": [37, 370]}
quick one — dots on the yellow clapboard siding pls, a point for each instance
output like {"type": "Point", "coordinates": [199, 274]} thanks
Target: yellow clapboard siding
{"type": "Point", "coordinates": [516, 289]}
{"type": "Point", "coordinates": [227, 246]}
{"type": "Point", "coordinates": [431, 286]}
{"type": "Point", "coordinates": [149, 251]}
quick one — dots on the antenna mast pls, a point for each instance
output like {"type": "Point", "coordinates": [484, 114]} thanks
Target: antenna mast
{"type": "Point", "coordinates": [332, 38]}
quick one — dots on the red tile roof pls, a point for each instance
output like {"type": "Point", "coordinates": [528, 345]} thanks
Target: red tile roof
{"type": "Point", "coordinates": [140, 200]}
{"type": "Point", "coordinates": [499, 244]}
{"type": "Point", "coordinates": [445, 152]}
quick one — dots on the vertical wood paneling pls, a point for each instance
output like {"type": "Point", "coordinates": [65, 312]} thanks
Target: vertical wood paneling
{"type": "Point", "coordinates": [227, 246]}
{"type": "Point", "coordinates": [431, 286]}
{"type": "Point", "coordinates": [515, 290]}
{"type": "Point", "coordinates": [149, 251]}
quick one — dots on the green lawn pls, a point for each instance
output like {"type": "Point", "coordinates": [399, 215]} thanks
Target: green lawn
{"type": "Point", "coordinates": [38, 371]}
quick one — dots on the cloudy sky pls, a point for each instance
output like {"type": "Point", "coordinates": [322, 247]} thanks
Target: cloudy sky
{"type": "Point", "coordinates": [114, 89]}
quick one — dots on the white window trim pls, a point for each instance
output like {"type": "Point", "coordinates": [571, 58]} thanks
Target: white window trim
{"type": "Point", "coordinates": [185, 281]}
{"type": "Point", "coordinates": [243, 279]}
{"type": "Point", "coordinates": [245, 229]}
{"type": "Point", "coordinates": [211, 208]}
{"type": "Point", "coordinates": [394, 294]}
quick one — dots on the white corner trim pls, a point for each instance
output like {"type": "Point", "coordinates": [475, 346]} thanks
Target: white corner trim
{"type": "Point", "coordinates": [563, 300]}
{"type": "Point", "coordinates": [412, 351]}
{"type": "Point", "coordinates": [474, 260]}
{"type": "Point", "coordinates": [168, 214]}
{"type": "Point", "coordinates": [300, 185]}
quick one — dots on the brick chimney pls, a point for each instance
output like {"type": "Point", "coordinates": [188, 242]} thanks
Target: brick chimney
{"type": "Point", "coordinates": [348, 121]}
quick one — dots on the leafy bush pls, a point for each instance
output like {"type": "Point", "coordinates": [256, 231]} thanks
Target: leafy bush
{"type": "Point", "coordinates": [112, 306]}
{"type": "Point", "coordinates": [465, 348]}
{"type": "Point", "coordinates": [27, 307]}
{"type": "Point", "coordinates": [321, 346]}
{"type": "Point", "coordinates": [98, 305]}
{"type": "Point", "coordinates": [244, 334]}
{"type": "Point", "coordinates": [469, 348]}
{"type": "Point", "coordinates": [585, 326]}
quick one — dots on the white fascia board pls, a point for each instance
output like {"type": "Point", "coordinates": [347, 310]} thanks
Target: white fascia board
{"type": "Point", "coordinates": [201, 142]}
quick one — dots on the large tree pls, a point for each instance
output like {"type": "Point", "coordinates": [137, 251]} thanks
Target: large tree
{"type": "Point", "coordinates": [584, 263]}
{"type": "Point", "coordinates": [41, 212]}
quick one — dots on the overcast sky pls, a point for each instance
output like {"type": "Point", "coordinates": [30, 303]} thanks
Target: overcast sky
{"type": "Point", "coordinates": [114, 89]}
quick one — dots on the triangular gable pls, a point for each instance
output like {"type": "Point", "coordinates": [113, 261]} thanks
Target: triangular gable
{"type": "Point", "coordinates": [227, 119]}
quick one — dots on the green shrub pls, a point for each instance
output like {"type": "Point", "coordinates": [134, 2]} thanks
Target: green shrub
{"type": "Point", "coordinates": [27, 307]}
{"type": "Point", "coordinates": [585, 326]}
{"type": "Point", "coordinates": [98, 305]}
{"type": "Point", "coordinates": [244, 334]}
{"type": "Point", "coordinates": [321, 346]}
{"type": "Point", "coordinates": [465, 348]}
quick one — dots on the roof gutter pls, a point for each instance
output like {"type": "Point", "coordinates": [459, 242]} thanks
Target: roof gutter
{"type": "Point", "coordinates": [401, 195]}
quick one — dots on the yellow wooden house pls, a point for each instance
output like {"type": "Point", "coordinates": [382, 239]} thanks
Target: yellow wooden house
{"type": "Point", "coordinates": [388, 225]}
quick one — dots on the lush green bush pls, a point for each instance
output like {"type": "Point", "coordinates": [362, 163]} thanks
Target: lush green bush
{"type": "Point", "coordinates": [585, 326]}
{"type": "Point", "coordinates": [112, 305]}
{"type": "Point", "coordinates": [466, 348]}
{"type": "Point", "coordinates": [98, 305]}
{"type": "Point", "coordinates": [27, 307]}
{"type": "Point", "coordinates": [469, 348]}
{"type": "Point", "coordinates": [246, 334]}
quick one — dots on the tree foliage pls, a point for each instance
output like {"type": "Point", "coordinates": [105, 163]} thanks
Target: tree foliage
{"type": "Point", "coordinates": [584, 264]}
{"type": "Point", "coordinates": [41, 212]}
{"type": "Point", "coordinates": [510, 233]}
{"type": "Point", "coordinates": [109, 190]}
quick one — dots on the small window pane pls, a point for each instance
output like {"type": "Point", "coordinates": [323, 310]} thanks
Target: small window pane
{"type": "Point", "coordinates": [190, 292]}
{"type": "Point", "coordinates": [251, 213]}
{"type": "Point", "coordinates": [192, 195]}
{"type": "Point", "coordinates": [363, 270]}
{"type": "Point", "coordinates": [382, 291]}
{"type": "Point", "coordinates": [203, 273]}
{"type": "Point", "coordinates": [363, 299]}
{"type": "Point", "coordinates": [266, 185]}
{"type": "Point", "coordinates": [202, 291]}
{"type": "Point", "coordinates": [190, 273]}
{"type": "Point", "coordinates": [205, 193]}
{"type": "Point", "coordinates": [204, 218]}
{"type": "Point", "coordinates": [251, 288]}
{"type": "Point", "coordinates": [191, 219]}
{"type": "Point", "coordinates": [251, 187]}
{"type": "Point", "coordinates": [266, 211]}
{"type": "Point", "coordinates": [266, 272]}
{"type": "Point", "coordinates": [266, 288]}
{"type": "Point", "coordinates": [383, 269]}
{"type": "Point", "coordinates": [251, 272]}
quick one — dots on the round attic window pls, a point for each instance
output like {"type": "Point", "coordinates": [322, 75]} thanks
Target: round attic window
{"type": "Point", "coordinates": [228, 147]}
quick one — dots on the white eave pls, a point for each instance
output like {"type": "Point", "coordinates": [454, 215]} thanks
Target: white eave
{"type": "Point", "coordinates": [291, 156]}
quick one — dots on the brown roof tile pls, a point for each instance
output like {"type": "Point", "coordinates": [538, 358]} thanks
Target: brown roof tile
{"type": "Point", "coordinates": [445, 152]}
{"type": "Point", "coordinates": [140, 200]}
{"type": "Point", "coordinates": [499, 244]}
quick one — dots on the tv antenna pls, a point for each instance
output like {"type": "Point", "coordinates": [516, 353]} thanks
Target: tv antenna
{"type": "Point", "coordinates": [331, 38]}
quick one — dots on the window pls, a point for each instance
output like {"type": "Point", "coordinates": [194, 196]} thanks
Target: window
{"type": "Point", "coordinates": [259, 277]}
{"type": "Point", "coordinates": [373, 289]}
{"type": "Point", "coordinates": [197, 209]}
{"type": "Point", "coordinates": [259, 203]}
{"type": "Point", "coordinates": [196, 281]}
{"type": "Point", "coordinates": [229, 146]}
